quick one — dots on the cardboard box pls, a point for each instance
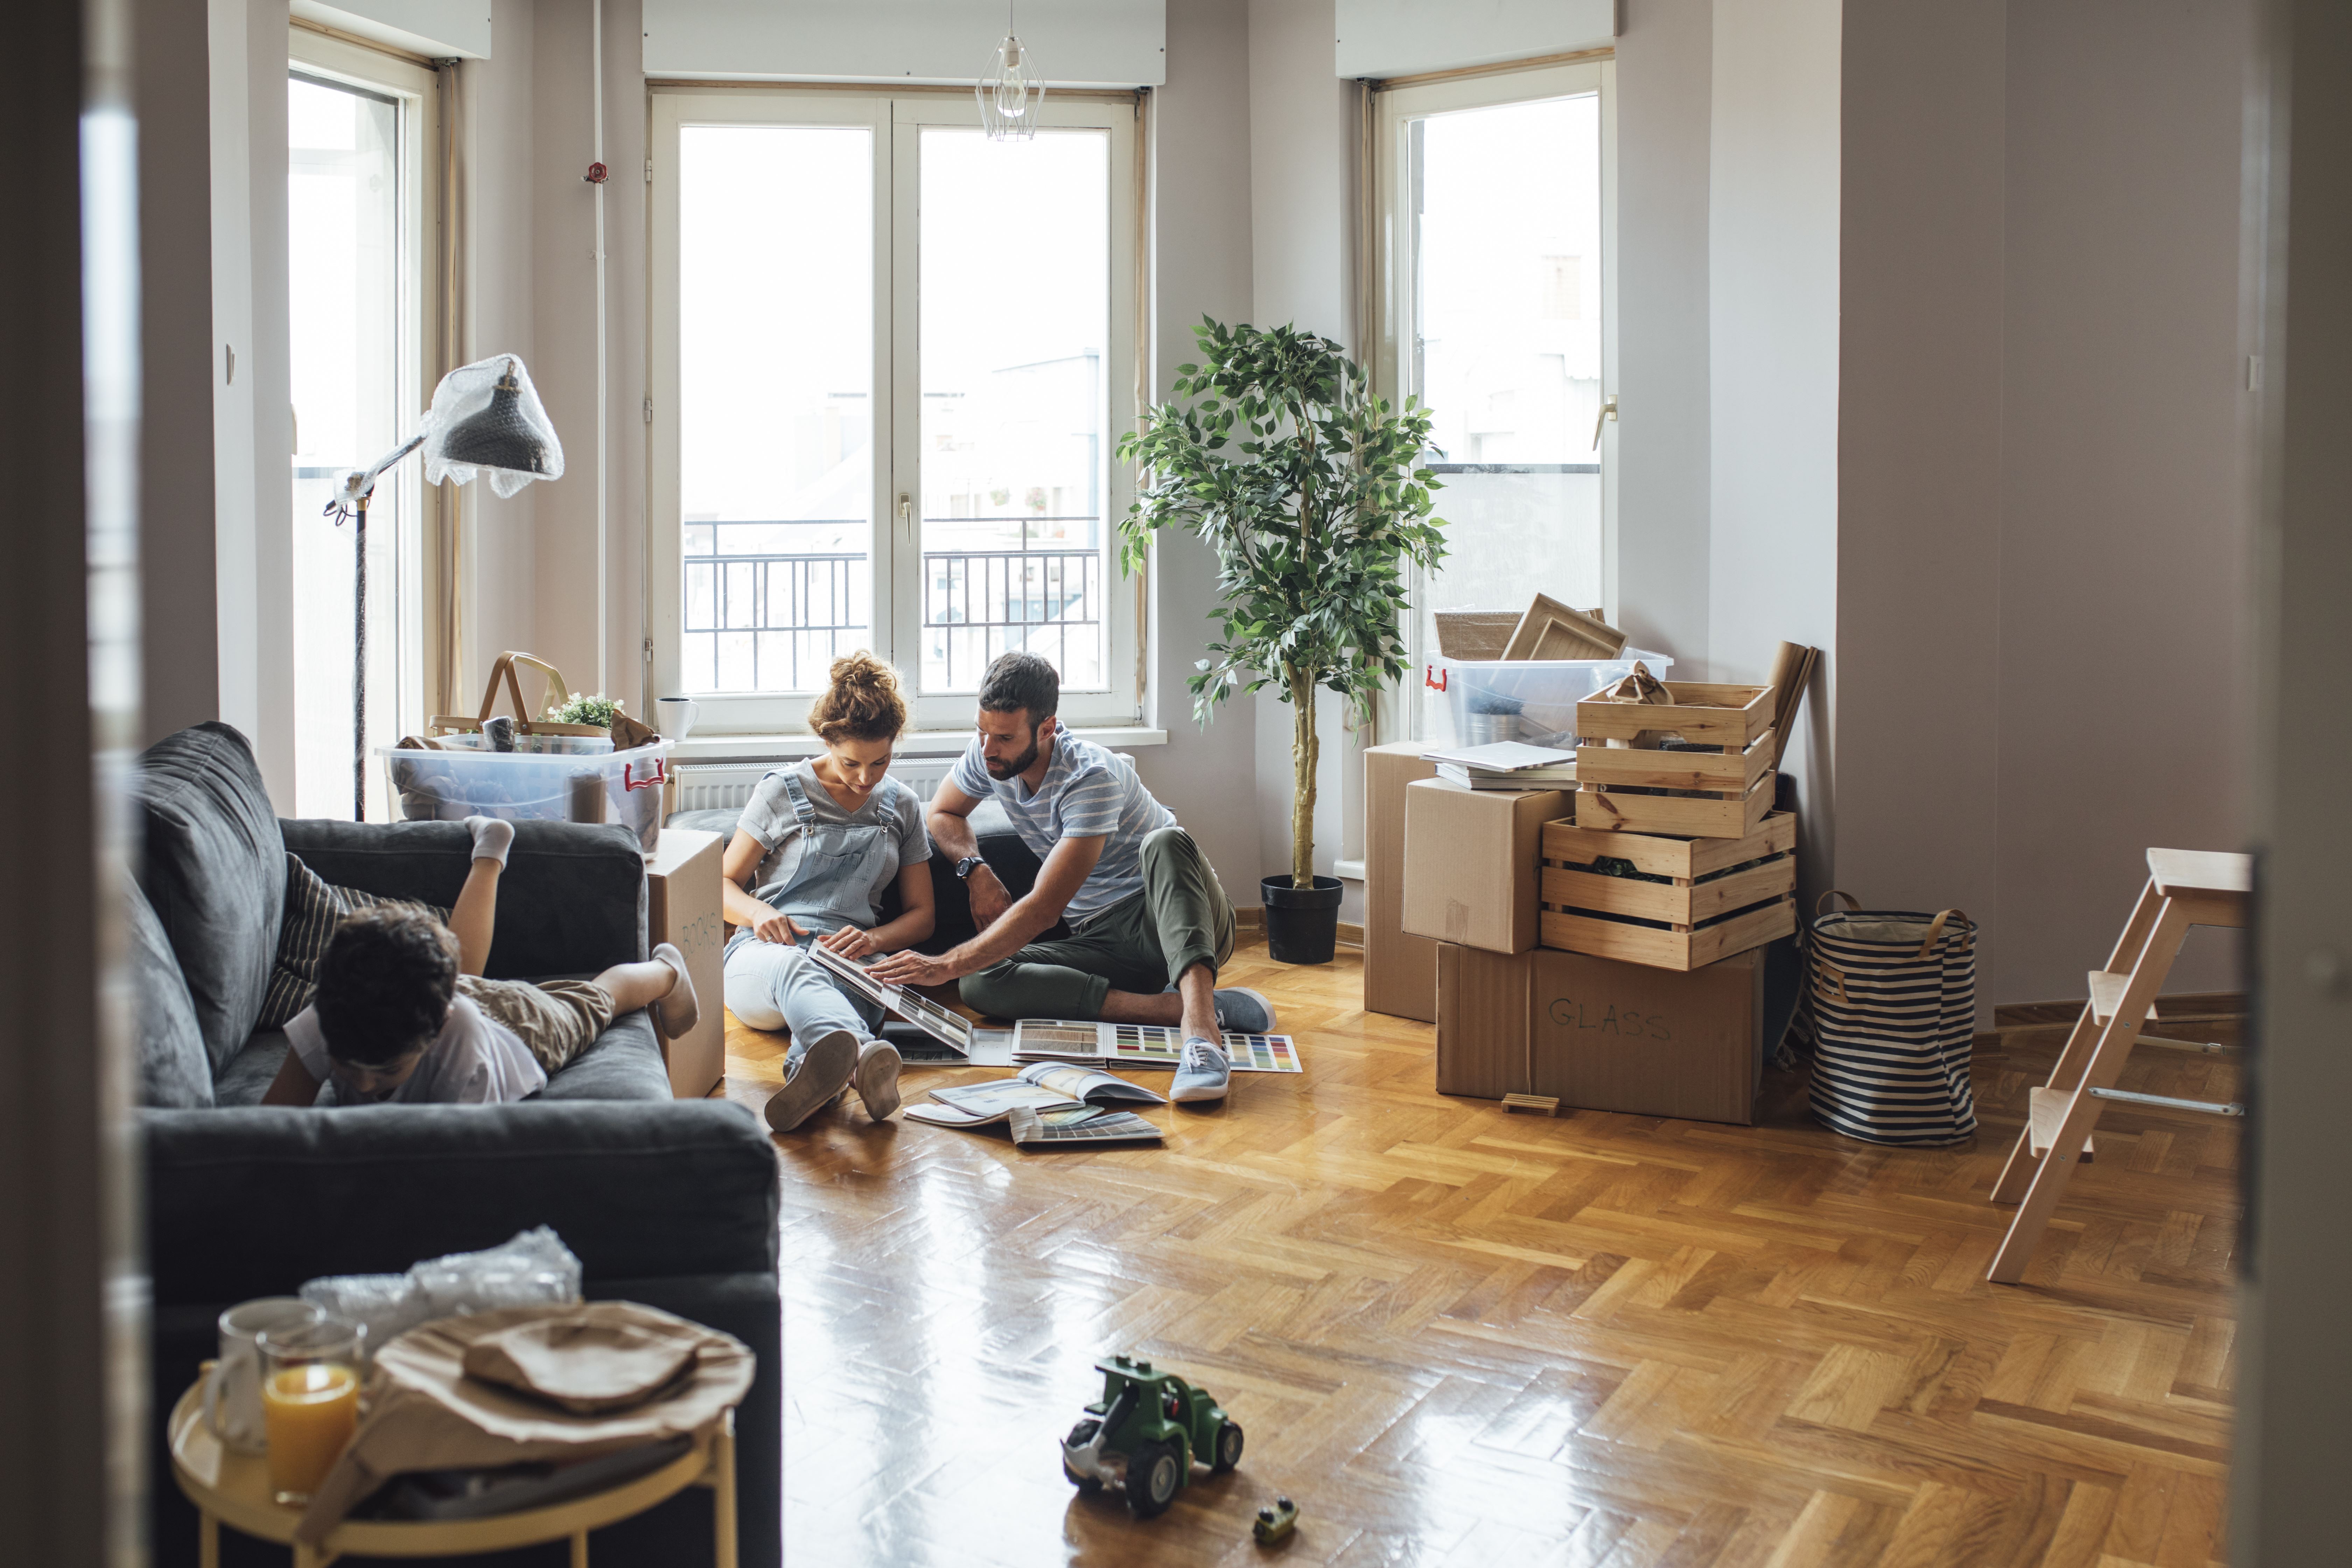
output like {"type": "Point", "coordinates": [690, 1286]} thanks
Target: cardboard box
{"type": "Point", "coordinates": [1600, 1034]}
{"type": "Point", "coordinates": [1471, 861]}
{"type": "Point", "coordinates": [1399, 970]}
{"type": "Point", "coordinates": [682, 907]}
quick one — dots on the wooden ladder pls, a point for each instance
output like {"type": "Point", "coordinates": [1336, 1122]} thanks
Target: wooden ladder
{"type": "Point", "coordinates": [2184, 887]}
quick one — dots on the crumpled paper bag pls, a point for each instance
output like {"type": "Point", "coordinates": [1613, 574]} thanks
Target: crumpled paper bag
{"type": "Point", "coordinates": [1640, 685]}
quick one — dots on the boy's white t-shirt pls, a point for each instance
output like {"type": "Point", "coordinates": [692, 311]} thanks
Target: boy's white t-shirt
{"type": "Point", "coordinates": [473, 1061]}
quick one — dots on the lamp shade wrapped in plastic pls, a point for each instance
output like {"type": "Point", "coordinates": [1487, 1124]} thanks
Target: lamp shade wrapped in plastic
{"type": "Point", "coordinates": [487, 419]}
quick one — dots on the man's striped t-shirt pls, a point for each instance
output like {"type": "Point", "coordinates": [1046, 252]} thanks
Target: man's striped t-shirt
{"type": "Point", "coordinates": [1087, 793]}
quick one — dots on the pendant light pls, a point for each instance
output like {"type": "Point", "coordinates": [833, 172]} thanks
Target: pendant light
{"type": "Point", "coordinates": [1012, 92]}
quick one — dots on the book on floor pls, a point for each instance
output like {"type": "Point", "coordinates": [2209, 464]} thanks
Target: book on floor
{"type": "Point", "coordinates": [1031, 1128]}
{"type": "Point", "coordinates": [944, 1025]}
{"type": "Point", "coordinates": [1044, 1086]}
{"type": "Point", "coordinates": [1141, 1046]}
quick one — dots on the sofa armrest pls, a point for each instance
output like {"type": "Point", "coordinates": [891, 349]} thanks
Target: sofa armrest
{"type": "Point", "coordinates": [573, 900]}
{"type": "Point", "coordinates": [254, 1202]}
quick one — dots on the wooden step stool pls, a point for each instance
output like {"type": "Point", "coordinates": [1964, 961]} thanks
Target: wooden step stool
{"type": "Point", "coordinates": [2185, 888]}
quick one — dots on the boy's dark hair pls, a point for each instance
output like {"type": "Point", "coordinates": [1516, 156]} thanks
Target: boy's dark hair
{"type": "Point", "coordinates": [384, 985]}
{"type": "Point", "coordinates": [1021, 681]}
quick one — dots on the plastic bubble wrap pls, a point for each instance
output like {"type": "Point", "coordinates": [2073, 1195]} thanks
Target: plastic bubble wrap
{"type": "Point", "coordinates": [533, 1268]}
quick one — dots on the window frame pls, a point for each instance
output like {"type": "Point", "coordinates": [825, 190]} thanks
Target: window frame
{"type": "Point", "coordinates": [897, 119]}
{"type": "Point", "coordinates": [1395, 275]}
{"type": "Point", "coordinates": [414, 87]}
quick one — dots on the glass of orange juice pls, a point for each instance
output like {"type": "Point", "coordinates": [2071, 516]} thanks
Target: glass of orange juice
{"type": "Point", "coordinates": [310, 1401]}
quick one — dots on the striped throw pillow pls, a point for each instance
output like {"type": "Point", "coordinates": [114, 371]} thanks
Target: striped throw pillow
{"type": "Point", "coordinates": [313, 909]}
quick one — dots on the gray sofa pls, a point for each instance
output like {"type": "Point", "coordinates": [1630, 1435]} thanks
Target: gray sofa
{"type": "Point", "coordinates": [670, 1202]}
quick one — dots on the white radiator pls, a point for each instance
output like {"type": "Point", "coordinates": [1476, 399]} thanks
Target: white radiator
{"type": "Point", "coordinates": [713, 786]}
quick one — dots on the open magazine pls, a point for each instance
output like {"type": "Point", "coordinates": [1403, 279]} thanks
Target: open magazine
{"type": "Point", "coordinates": [1048, 1102]}
{"type": "Point", "coordinates": [1140, 1046]}
{"type": "Point", "coordinates": [949, 1028]}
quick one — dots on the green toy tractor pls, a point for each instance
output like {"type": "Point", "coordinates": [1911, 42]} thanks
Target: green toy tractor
{"type": "Point", "coordinates": [1144, 1434]}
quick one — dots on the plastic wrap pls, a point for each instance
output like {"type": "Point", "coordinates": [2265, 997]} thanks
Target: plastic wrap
{"type": "Point", "coordinates": [471, 390]}
{"type": "Point", "coordinates": [535, 1268]}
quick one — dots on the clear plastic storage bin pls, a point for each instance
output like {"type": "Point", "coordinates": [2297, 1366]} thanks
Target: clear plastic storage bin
{"type": "Point", "coordinates": [1527, 699]}
{"type": "Point", "coordinates": [549, 778]}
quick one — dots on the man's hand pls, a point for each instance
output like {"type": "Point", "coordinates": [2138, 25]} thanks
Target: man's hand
{"type": "Point", "coordinates": [990, 898]}
{"type": "Point", "coordinates": [907, 967]}
{"type": "Point", "coordinates": [849, 942]}
{"type": "Point", "coordinates": [779, 928]}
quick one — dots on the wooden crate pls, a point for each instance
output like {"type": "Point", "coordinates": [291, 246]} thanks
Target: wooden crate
{"type": "Point", "coordinates": [1711, 910]}
{"type": "Point", "coordinates": [1722, 772]}
{"type": "Point", "coordinates": [1704, 714]}
{"type": "Point", "coordinates": [1724, 815]}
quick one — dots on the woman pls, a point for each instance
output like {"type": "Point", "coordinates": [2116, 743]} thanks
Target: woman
{"type": "Point", "coordinates": [821, 841]}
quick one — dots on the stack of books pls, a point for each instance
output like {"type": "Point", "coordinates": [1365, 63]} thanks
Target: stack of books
{"type": "Point", "coordinates": [1508, 764]}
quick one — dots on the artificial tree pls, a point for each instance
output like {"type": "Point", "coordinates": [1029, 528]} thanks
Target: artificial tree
{"type": "Point", "coordinates": [1311, 493]}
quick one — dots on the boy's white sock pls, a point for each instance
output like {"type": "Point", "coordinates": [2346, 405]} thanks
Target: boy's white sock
{"type": "Point", "coordinates": [492, 837]}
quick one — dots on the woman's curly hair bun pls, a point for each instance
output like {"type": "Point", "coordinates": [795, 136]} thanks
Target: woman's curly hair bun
{"type": "Point", "coordinates": [862, 703]}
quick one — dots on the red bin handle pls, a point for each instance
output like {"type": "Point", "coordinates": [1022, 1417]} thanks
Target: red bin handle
{"type": "Point", "coordinates": [630, 781]}
{"type": "Point", "coordinates": [1436, 679]}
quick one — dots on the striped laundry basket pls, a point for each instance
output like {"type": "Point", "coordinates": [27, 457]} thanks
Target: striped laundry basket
{"type": "Point", "coordinates": [1893, 997]}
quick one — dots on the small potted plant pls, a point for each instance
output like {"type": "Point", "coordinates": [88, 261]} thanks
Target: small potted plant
{"type": "Point", "coordinates": [1311, 493]}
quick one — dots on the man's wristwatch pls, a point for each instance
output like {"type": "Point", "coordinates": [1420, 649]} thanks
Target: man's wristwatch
{"type": "Point", "coordinates": [967, 866]}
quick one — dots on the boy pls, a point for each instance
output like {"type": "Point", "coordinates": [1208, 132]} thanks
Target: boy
{"type": "Point", "coordinates": [404, 1014]}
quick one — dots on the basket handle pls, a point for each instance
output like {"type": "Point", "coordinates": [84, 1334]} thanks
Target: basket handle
{"type": "Point", "coordinates": [1934, 932]}
{"type": "Point", "coordinates": [1822, 967]}
{"type": "Point", "coordinates": [505, 665]}
{"type": "Point", "coordinates": [1851, 902]}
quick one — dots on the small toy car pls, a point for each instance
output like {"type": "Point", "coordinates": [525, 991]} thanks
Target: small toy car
{"type": "Point", "coordinates": [1143, 1435]}
{"type": "Point", "coordinates": [1275, 1522]}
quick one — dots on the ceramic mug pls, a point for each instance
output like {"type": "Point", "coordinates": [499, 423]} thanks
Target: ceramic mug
{"type": "Point", "coordinates": [675, 715]}
{"type": "Point", "coordinates": [233, 1393]}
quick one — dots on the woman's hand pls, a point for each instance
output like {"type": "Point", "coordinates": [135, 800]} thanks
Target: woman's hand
{"type": "Point", "coordinates": [850, 942]}
{"type": "Point", "coordinates": [778, 927]}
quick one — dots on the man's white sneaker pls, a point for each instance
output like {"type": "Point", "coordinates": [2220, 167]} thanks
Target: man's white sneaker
{"type": "Point", "coordinates": [821, 1072]}
{"type": "Point", "coordinates": [1243, 1012]}
{"type": "Point", "coordinates": [876, 1078]}
{"type": "Point", "coordinates": [1201, 1073]}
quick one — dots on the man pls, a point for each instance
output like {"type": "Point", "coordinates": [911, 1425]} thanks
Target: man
{"type": "Point", "coordinates": [1149, 926]}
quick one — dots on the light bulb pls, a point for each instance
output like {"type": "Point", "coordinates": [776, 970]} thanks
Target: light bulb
{"type": "Point", "coordinates": [1012, 86]}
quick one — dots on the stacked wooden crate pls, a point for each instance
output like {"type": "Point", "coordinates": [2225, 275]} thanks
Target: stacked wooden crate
{"type": "Point", "coordinates": [1713, 867]}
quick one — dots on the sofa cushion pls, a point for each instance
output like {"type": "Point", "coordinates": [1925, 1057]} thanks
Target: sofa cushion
{"type": "Point", "coordinates": [624, 1063]}
{"type": "Point", "coordinates": [571, 901]}
{"type": "Point", "coordinates": [214, 872]}
{"type": "Point", "coordinates": [174, 1072]}
{"type": "Point", "coordinates": [313, 909]}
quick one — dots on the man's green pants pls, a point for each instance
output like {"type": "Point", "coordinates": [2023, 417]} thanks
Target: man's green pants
{"type": "Point", "coordinates": [1142, 944]}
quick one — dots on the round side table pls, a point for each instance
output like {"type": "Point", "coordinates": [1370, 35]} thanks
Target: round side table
{"type": "Point", "coordinates": [232, 1488]}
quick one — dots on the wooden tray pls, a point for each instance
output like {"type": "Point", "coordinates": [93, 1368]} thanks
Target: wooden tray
{"type": "Point", "coordinates": [1724, 816]}
{"type": "Point", "coordinates": [1701, 713]}
{"type": "Point", "coordinates": [1715, 911]}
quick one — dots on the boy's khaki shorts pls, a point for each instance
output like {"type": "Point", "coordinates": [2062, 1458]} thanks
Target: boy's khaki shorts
{"type": "Point", "coordinates": [555, 1019]}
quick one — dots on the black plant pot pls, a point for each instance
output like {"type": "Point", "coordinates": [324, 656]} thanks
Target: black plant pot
{"type": "Point", "coordinates": [1301, 924]}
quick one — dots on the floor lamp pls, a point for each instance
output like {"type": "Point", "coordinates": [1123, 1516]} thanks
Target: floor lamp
{"type": "Point", "coordinates": [486, 418]}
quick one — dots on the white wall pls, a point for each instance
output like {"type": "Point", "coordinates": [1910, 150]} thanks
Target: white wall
{"type": "Point", "coordinates": [1772, 339]}
{"type": "Point", "coordinates": [1200, 229]}
{"type": "Point", "coordinates": [1661, 559]}
{"type": "Point", "coordinates": [2125, 517]}
{"type": "Point", "coordinates": [253, 427]}
{"type": "Point", "coordinates": [1918, 607]}
{"type": "Point", "coordinates": [1302, 156]}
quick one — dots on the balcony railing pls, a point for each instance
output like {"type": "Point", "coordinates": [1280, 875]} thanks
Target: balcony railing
{"type": "Point", "coordinates": [775, 620]}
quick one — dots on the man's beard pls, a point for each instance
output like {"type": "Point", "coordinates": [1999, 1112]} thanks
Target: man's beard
{"type": "Point", "coordinates": [1020, 765]}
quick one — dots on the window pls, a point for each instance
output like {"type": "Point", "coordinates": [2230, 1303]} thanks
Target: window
{"type": "Point", "coordinates": [891, 360]}
{"type": "Point", "coordinates": [355, 206]}
{"type": "Point", "coordinates": [1496, 224]}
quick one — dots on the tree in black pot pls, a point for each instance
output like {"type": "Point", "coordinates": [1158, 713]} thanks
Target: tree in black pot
{"type": "Point", "coordinates": [1311, 492]}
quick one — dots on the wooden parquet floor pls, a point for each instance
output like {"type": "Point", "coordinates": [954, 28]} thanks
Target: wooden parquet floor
{"type": "Point", "coordinates": [1457, 1336]}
